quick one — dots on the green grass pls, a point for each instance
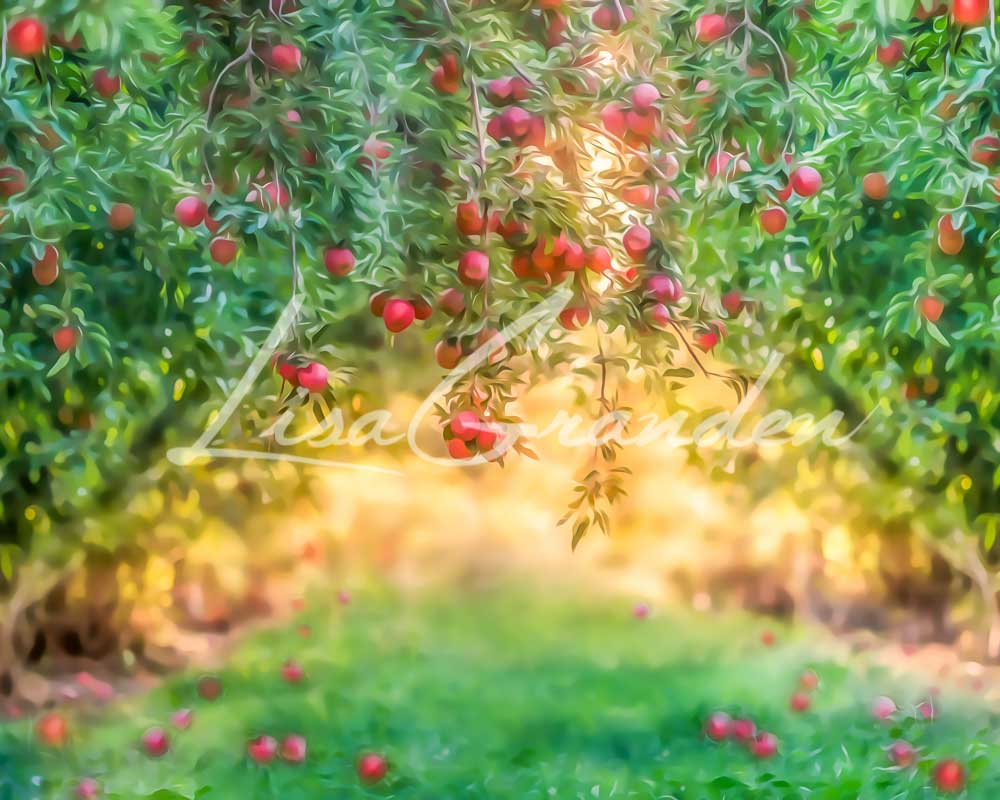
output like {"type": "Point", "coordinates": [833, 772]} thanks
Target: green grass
{"type": "Point", "coordinates": [513, 694]}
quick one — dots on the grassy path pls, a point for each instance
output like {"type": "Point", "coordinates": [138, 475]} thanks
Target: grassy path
{"type": "Point", "coordinates": [511, 695]}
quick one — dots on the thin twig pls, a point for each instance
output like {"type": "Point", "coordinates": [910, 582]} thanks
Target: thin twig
{"type": "Point", "coordinates": [246, 55]}
{"type": "Point", "coordinates": [706, 372]}
{"type": "Point", "coordinates": [447, 12]}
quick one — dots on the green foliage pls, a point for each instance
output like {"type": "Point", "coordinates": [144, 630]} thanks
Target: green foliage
{"type": "Point", "coordinates": [204, 109]}
{"type": "Point", "coordinates": [516, 694]}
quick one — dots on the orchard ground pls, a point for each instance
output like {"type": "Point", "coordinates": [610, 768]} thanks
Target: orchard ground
{"type": "Point", "coordinates": [517, 690]}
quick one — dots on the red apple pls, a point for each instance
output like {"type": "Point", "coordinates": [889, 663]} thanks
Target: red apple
{"type": "Point", "coordinates": [659, 315]}
{"type": "Point", "coordinates": [293, 749]}
{"type": "Point", "coordinates": [743, 730]}
{"type": "Point", "coordinates": [262, 749]}
{"type": "Point", "coordinates": [902, 754]}
{"type": "Point", "coordinates": [718, 726]}
{"type": "Point", "coordinates": [640, 611]}
{"type": "Point", "coordinates": [572, 319]}
{"type": "Point", "coordinates": [286, 58]}
{"type": "Point", "coordinates": [768, 639]}
{"type": "Point", "coordinates": [372, 768]}
{"type": "Point", "coordinates": [710, 27]}
{"type": "Point", "coordinates": [46, 269]}
{"type": "Point", "coordinates": [155, 742]}
{"type": "Point", "coordinates": [891, 54]}
{"type": "Point", "coordinates": [448, 353]}
{"type": "Point", "coordinates": [190, 211]}
{"type": "Point", "coordinates": [614, 120]}
{"type": "Point", "coordinates": [209, 688]}
{"type": "Point", "coordinates": [378, 301]}
{"type": "Point", "coordinates": [950, 239]}
{"type": "Point", "coordinates": [468, 218]}
{"type": "Point", "coordinates": [970, 12]}
{"type": "Point", "coordinates": [52, 730]}
{"type": "Point", "coordinates": [315, 378]}
{"type": "Point", "coordinates": [398, 315]}
{"type": "Point", "coordinates": [637, 240]}
{"type": "Point", "coordinates": [931, 308]}
{"type": "Point", "coordinates": [799, 702]}
{"type": "Point", "coordinates": [465, 425]}
{"type": "Point", "coordinates": [65, 338]}
{"type": "Point", "coordinates": [598, 259]}
{"type": "Point", "coordinates": [809, 680]}
{"type": "Point", "coordinates": [707, 341]}
{"type": "Point", "coordinates": [106, 84]}
{"type": "Point", "coordinates": [773, 220]}
{"type": "Point", "coordinates": [644, 96]}
{"type": "Point", "coordinates": [182, 719]}
{"type": "Point", "coordinates": [27, 37]}
{"type": "Point", "coordinates": [121, 217]}
{"type": "Point", "coordinates": [949, 775]}
{"type": "Point", "coordinates": [806, 181]}
{"type": "Point", "coordinates": [732, 302]}
{"type": "Point", "coordinates": [452, 302]}
{"type": "Point", "coordinates": [222, 249]}
{"type": "Point", "coordinates": [665, 288]}
{"type": "Point", "coordinates": [458, 449]}
{"type": "Point", "coordinates": [607, 17]}
{"type": "Point", "coordinates": [765, 745]}
{"type": "Point", "coordinates": [339, 261]}
{"type": "Point", "coordinates": [985, 150]}
{"type": "Point", "coordinates": [875, 186]}
{"type": "Point", "coordinates": [474, 268]}
{"type": "Point", "coordinates": [12, 181]}
{"type": "Point", "coordinates": [883, 708]}
{"type": "Point", "coordinates": [87, 789]}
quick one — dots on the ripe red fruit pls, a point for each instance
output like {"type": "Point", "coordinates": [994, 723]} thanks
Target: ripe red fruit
{"type": "Point", "coordinates": [316, 378]}
{"type": "Point", "coordinates": [398, 315]}
{"type": "Point", "coordinates": [447, 353]}
{"type": "Point", "coordinates": [87, 789]}
{"type": "Point", "coordinates": [573, 258]}
{"type": "Point", "coordinates": [371, 768]}
{"type": "Point", "coordinates": [665, 288]}
{"type": "Point", "coordinates": [65, 338]}
{"type": "Point", "coordinates": [970, 12]}
{"type": "Point", "coordinates": [949, 776]}
{"type": "Point", "coordinates": [465, 425]}
{"type": "Point", "coordinates": [724, 164]}
{"type": "Point", "coordinates": [46, 269]}
{"type": "Point", "coordinates": [473, 268]}
{"type": "Point", "coordinates": [890, 54]}
{"type": "Point", "coordinates": [985, 150]}
{"type": "Point", "coordinates": [443, 82]}
{"type": "Point", "coordinates": [767, 638]}
{"type": "Point", "coordinates": [883, 708]}
{"type": "Point", "coordinates": [209, 688]}
{"type": "Point", "coordinates": [743, 730]}
{"type": "Point", "coordinates": [262, 749]}
{"type": "Point", "coordinates": [642, 196]}
{"type": "Point", "coordinates": [469, 219]}
{"type": "Point", "coordinates": [182, 719]}
{"type": "Point", "coordinates": [764, 746]}
{"type": "Point", "coordinates": [614, 119]}
{"type": "Point", "coordinates": [121, 216]}
{"type": "Point", "coordinates": [106, 84]}
{"type": "Point", "coordinates": [289, 372]}
{"type": "Point", "coordinates": [155, 742]}
{"type": "Point", "coordinates": [27, 37]}
{"type": "Point", "coordinates": [572, 319]}
{"type": "Point", "coordinates": [809, 680]}
{"type": "Point", "coordinates": [452, 302]}
{"type": "Point", "coordinates": [52, 730]}
{"type": "Point", "coordinates": [931, 308]}
{"type": "Point", "coordinates": [640, 611]}
{"type": "Point", "coordinates": [875, 186]}
{"type": "Point", "coordinates": [644, 96]}
{"type": "Point", "coordinates": [637, 240]}
{"type": "Point", "coordinates": [458, 449]}
{"type": "Point", "coordinates": [273, 196]}
{"type": "Point", "coordinates": [732, 302]}
{"type": "Point", "coordinates": [659, 315]}
{"type": "Point", "coordinates": [12, 181]}
{"type": "Point", "coordinates": [598, 259]}
{"type": "Point", "coordinates": [293, 749]}
{"type": "Point", "coordinates": [718, 726]}
{"type": "Point", "coordinates": [799, 702]}
{"type": "Point", "coordinates": [806, 181]}
{"type": "Point", "coordinates": [222, 250]}
{"type": "Point", "coordinates": [707, 341]}
{"type": "Point", "coordinates": [421, 308]}
{"type": "Point", "coordinates": [902, 754]}
{"type": "Point", "coordinates": [710, 27]}
{"type": "Point", "coordinates": [190, 211]}
{"type": "Point", "coordinates": [339, 261]}
{"type": "Point", "coordinates": [642, 124]}
{"type": "Point", "coordinates": [773, 220]}
{"type": "Point", "coordinates": [378, 301]}
{"type": "Point", "coordinates": [950, 239]}
{"type": "Point", "coordinates": [292, 672]}
{"type": "Point", "coordinates": [286, 58]}
{"type": "Point", "coordinates": [607, 18]}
